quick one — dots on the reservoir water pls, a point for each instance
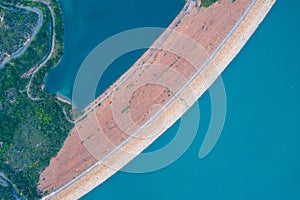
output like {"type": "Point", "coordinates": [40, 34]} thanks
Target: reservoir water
{"type": "Point", "coordinates": [258, 154]}
{"type": "Point", "coordinates": [90, 22]}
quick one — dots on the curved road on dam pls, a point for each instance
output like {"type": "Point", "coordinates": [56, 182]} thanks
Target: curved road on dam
{"type": "Point", "coordinates": [187, 10]}
{"type": "Point", "coordinates": [35, 31]}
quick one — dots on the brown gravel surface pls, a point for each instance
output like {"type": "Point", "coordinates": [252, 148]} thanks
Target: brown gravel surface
{"type": "Point", "coordinates": [146, 91]}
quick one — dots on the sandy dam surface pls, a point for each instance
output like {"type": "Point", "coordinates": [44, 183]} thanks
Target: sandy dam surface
{"type": "Point", "coordinates": [152, 95]}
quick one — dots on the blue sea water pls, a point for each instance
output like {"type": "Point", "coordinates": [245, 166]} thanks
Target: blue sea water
{"type": "Point", "coordinates": [258, 154]}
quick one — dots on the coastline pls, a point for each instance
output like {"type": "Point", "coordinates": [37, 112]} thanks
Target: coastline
{"type": "Point", "coordinates": [63, 98]}
{"type": "Point", "coordinates": [50, 32]}
{"type": "Point", "coordinates": [198, 85]}
{"type": "Point", "coordinates": [34, 70]}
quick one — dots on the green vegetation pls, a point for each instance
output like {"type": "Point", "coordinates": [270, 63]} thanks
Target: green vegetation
{"type": "Point", "coordinates": [32, 132]}
{"type": "Point", "coordinates": [16, 27]}
{"type": "Point", "coordinates": [207, 3]}
{"type": "Point", "coordinates": [6, 193]}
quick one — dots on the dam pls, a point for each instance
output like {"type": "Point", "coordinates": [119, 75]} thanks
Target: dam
{"type": "Point", "coordinates": [162, 85]}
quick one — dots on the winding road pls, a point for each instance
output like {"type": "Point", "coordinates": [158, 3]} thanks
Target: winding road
{"type": "Point", "coordinates": [5, 182]}
{"type": "Point", "coordinates": [49, 55]}
{"type": "Point", "coordinates": [35, 31]}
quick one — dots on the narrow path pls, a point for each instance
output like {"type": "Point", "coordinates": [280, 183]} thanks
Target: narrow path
{"type": "Point", "coordinates": [66, 116]}
{"type": "Point", "coordinates": [37, 68]}
{"type": "Point", "coordinates": [21, 51]}
{"type": "Point", "coordinates": [65, 112]}
{"type": "Point", "coordinates": [49, 55]}
{"type": "Point", "coordinates": [6, 182]}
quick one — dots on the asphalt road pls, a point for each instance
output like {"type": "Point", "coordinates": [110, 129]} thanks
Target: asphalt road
{"type": "Point", "coordinates": [35, 31]}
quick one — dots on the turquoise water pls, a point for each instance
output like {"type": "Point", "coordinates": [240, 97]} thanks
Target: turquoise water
{"type": "Point", "coordinates": [258, 154]}
{"type": "Point", "coordinates": [89, 22]}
